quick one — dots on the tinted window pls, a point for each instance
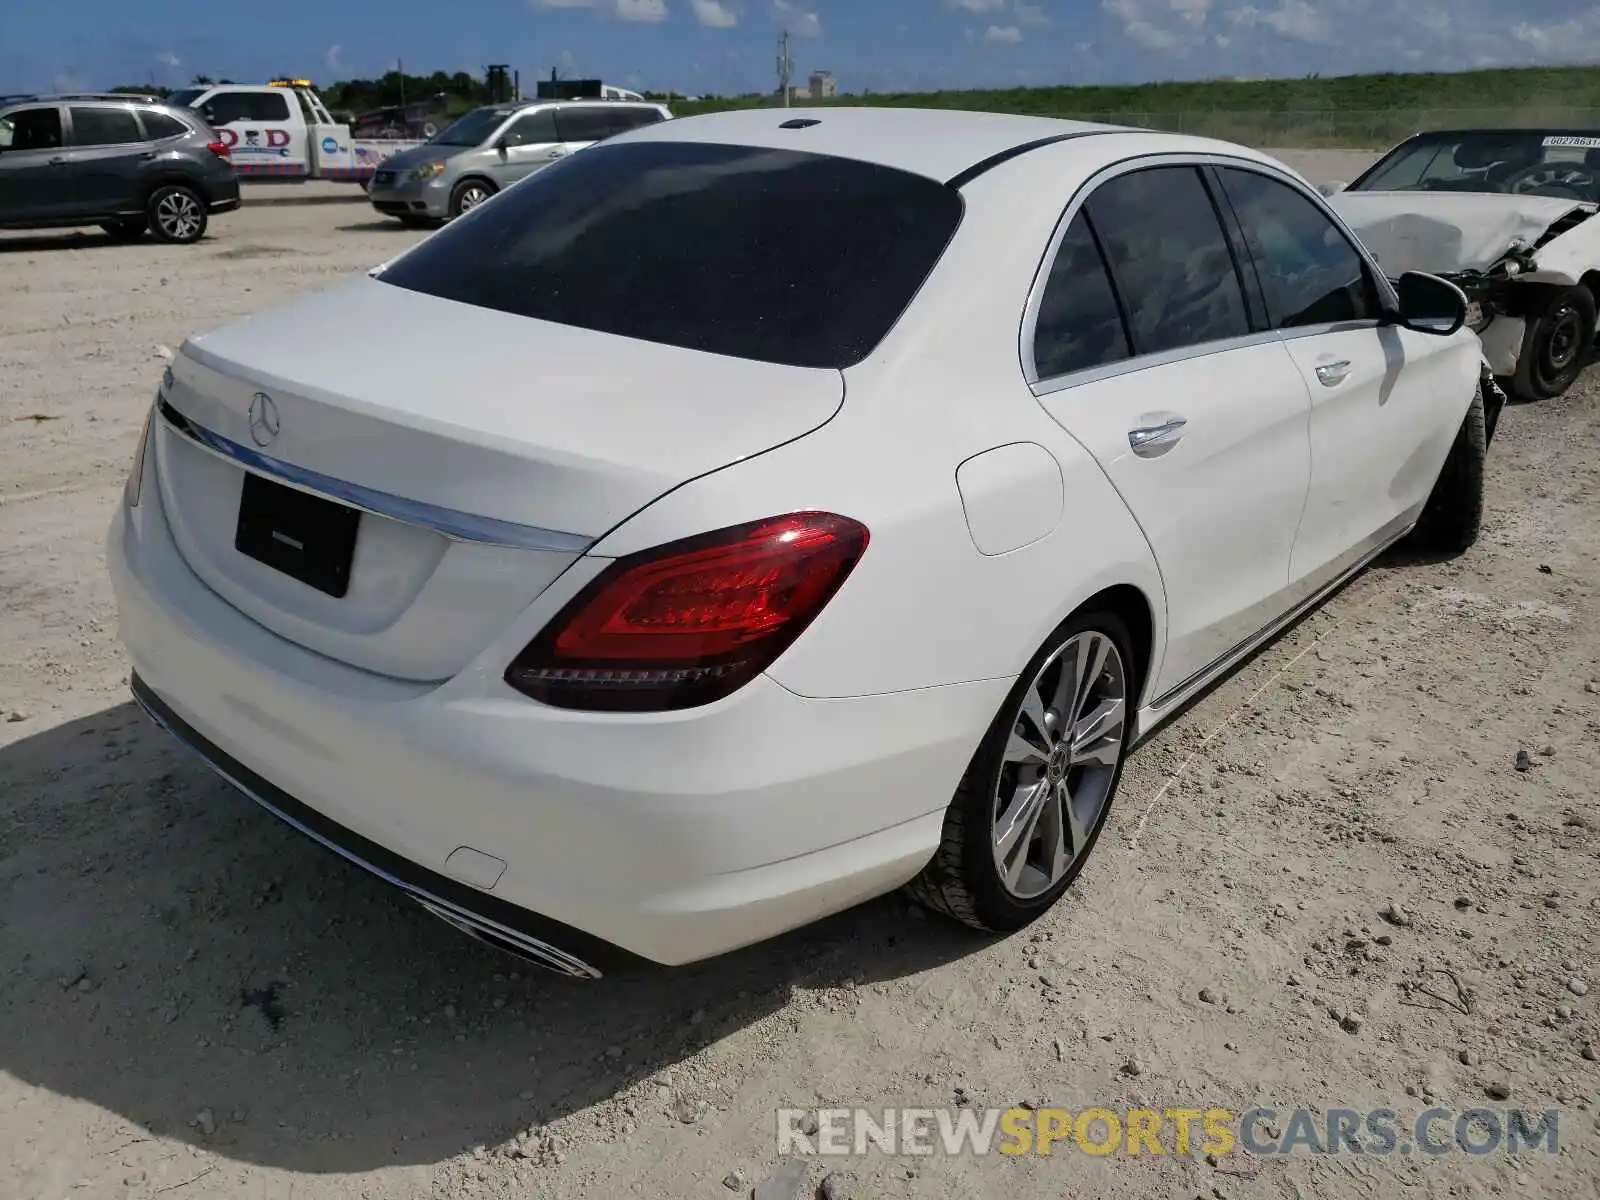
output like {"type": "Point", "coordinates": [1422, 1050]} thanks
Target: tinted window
{"type": "Point", "coordinates": [471, 129]}
{"type": "Point", "coordinates": [773, 255]}
{"type": "Point", "coordinates": [1169, 258]}
{"type": "Point", "coordinates": [589, 124]}
{"type": "Point", "coordinates": [226, 107]}
{"type": "Point", "coordinates": [1079, 325]}
{"type": "Point", "coordinates": [636, 118]}
{"type": "Point", "coordinates": [530, 129]}
{"type": "Point", "coordinates": [31, 129]}
{"type": "Point", "coordinates": [1310, 272]}
{"type": "Point", "coordinates": [158, 125]}
{"type": "Point", "coordinates": [104, 127]}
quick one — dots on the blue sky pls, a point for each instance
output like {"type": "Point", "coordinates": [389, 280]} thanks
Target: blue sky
{"type": "Point", "coordinates": [729, 45]}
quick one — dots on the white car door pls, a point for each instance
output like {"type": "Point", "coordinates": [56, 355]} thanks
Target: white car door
{"type": "Point", "coordinates": [1197, 416]}
{"type": "Point", "coordinates": [1385, 401]}
{"type": "Point", "coordinates": [265, 133]}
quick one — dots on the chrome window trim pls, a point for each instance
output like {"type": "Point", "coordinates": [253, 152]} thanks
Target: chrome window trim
{"type": "Point", "coordinates": [448, 522]}
{"type": "Point", "coordinates": [1177, 158]}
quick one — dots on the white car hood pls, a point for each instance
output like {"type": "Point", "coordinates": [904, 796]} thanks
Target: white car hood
{"type": "Point", "coordinates": [1446, 231]}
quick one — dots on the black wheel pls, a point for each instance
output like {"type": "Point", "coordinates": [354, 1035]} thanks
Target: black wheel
{"type": "Point", "coordinates": [1452, 517]}
{"type": "Point", "coordinates": [468, 194]}
{"type": "Point", "coordinates": [177, 214]}
{"type": "Point", "coordinates": [125, 231]}
{"type": "Point", "coordinates": [1556, 347]}
{"type": "Point", "coordinates": [1038, 791]}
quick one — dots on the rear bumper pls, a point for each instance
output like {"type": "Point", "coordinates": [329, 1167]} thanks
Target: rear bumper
{"type": "Point", "coordinates": [224, 194]}
{"type": "Point", "coordinates": [672, 837]}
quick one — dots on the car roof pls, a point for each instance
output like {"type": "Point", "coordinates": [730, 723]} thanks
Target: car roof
{"type": "Point", "coordinates": [952, 146]}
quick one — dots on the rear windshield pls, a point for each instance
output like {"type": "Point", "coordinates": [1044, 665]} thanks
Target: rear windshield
{"type": "Point", "coordinates": [773, 255]}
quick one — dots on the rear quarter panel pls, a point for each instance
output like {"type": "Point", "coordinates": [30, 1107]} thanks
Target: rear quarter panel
{"type": "Point", "coordinates": [924, 607]}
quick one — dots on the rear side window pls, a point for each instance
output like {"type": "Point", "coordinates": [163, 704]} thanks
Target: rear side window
{"type": "Point", "coordinates": [774, 255]}
{"type": "Point", "coordinates": [1079, 324]}
{"type": "Point", "coordinates": [1310, 272]}
{"type": "Point", "coordinates": [104, 127]}
{"type": "Point", "coordinates": [590, 124]}
{"type": "Point", "coordinates": [226, 107]}
{"type": "Point", "coordinates": [1170, 259]}
{"type": "Point", "coordinates": [158, 125]}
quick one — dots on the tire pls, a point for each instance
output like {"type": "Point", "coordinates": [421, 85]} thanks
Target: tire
{"type": "Point", "coordinates": [964, 879]}
{"type": "Point", "coordinates": [1556, 346]}
{"type": "Point", "coordinates": [177, 214]}
{"type": "Point", "coordinates": [468, 194]}
{"type": "Point", "coordinates": [1453, 515]}
{"type": "Point", "coordinates": [125, 231]}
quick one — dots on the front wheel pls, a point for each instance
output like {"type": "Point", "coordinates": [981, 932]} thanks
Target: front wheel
{"type": "Point", "coordinates": [1556, 346]}
{"type": "Point", "coordinates": [1453, 515]}
{"type": "Point", "coordinates": [177, 214]}
{"type": "Point", "coordinates": [468, 194]}
{"type": "Point", "coordinates": [1038, 791]}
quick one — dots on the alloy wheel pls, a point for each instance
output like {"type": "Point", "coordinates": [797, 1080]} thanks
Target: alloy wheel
{"type": "Point", "coordinates": [178, 214]}
{"type": "Point", "coordinates": [1059, 764]}
{"type": "Point", "coordinates": [472, 197]}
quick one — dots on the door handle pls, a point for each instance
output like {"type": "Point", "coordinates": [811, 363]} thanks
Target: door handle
{"type": "Point", "coordinates": [57, 161]}
{"type": "Point", "coordinates": [1154, 440]}
{"type": "Point", "coordinates": [555, 154]}
{"type": "Point", "coordinates": [1334, 373]}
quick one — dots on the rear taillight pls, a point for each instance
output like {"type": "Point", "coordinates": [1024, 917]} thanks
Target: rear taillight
{"type": "Point", "coordinates": [220, 149]}
{"type": "Point", "coordinates": [689, 622]}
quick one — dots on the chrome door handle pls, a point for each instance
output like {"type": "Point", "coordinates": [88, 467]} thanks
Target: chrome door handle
{"type": "Point", "coordinates": [1334, 373]}
{"type": "Point", "coordinates": [57, 161]}
{"type": "Point", "coordinates": [1149, 441]}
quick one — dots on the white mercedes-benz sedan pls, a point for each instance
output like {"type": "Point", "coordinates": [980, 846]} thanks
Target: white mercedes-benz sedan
{"type": "Point", "coordinates": [763, 511]}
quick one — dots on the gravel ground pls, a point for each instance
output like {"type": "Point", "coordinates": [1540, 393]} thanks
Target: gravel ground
{"type": "Point", "coordinates": [196, 1002]}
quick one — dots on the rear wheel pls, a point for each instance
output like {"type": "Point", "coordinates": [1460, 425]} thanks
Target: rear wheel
{"type": "Point", "coordinates": [177, 214]}
{"type": "Point", "coordinates": [1037, 794]}
{"type": "Point", "coordinates": [1453, 516]}
{"type": "Point", "coordinates": [126, 231]}
{"type": "Point", "coordinates": [468, 194]}
{"type": "Point", "coordinates": [1556, 346]}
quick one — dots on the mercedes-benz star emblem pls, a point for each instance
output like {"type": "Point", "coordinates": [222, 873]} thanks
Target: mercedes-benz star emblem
{"type": "Point", "coordinates": [263, 419]}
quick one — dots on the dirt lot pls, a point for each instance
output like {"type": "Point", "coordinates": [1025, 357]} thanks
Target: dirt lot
{"type": "Point", "coordinates": [196, 1002]}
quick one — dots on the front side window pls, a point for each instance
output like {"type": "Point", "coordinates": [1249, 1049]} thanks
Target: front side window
{"type": "Point", "coordinates": [779, 256]}
{"type": "Point", "coordinates": [104, 127]}
{"type": "Point", "coordinates": [1310, 272]}
{"type": "Point", "coordinates": [1169, 258]}
{"type": "Point", "coordinates": [1079, 325]}
{"type": "Point", "coordinates": [537, 128]}
{"type": "Point", "coordinates": [31, 129]}
{"type": "Point", "coordinates": [473, 129]}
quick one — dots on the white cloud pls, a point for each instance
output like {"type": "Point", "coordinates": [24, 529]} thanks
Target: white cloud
{"type": "Point", "coordinates": [333, 57]}
{"type": "Point", "coordinates": [65, 81]}
{"type": "Point", "coordinates": [169, 60]}
{"type": "Point", "coordinates": [799, 21]}
{"type": "Point", "coordinates": [1002, 35]}
{"type": "Point", "coordinates": [1293, 19]}
{"type": "Point", "coordinates": [1030, 14]}
{"type": "Point", "coordinates": [567, 62]}
{"type": "Point", "coordinates": [714, 14]}
{"type": "Point", "coordinates": [978, 6]}
{"type": "Point", "coordinates": [650, 11]}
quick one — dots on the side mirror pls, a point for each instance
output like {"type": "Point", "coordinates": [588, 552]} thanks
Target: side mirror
{"type": "Point", "coordinates": [1330, 189]}
{"type": "Point", "coordinates": [1429, 304]}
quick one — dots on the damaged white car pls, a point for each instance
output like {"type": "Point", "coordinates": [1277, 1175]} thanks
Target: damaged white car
{"type": "Point", "coordinates": [1505, 215]}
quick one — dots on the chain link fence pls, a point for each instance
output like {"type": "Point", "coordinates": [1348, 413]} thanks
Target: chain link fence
{"type": "Point", "coordinates": [1355, 129]}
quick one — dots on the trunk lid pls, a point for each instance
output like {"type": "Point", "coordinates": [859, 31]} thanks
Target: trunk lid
{"type": "Point", "coordinates": [487, 449]}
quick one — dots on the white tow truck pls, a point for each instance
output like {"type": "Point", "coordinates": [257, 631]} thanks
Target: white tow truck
{"type": "Point", "coordinates": [282, 130]}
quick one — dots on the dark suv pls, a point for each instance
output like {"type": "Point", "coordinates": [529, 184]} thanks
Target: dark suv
{"type": "Point", "coordinates": [124, 163]}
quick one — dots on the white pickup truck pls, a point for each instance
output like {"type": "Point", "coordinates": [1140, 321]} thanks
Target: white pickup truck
{"type": "Point", "coordinates": [282, 130]}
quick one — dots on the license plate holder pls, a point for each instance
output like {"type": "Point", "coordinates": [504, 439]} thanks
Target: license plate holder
{"type": "Point", "coordinates": [305, 537]}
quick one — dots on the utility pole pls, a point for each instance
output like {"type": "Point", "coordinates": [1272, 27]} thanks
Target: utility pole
{"type": "Point", "coordinates": [785, 67]}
